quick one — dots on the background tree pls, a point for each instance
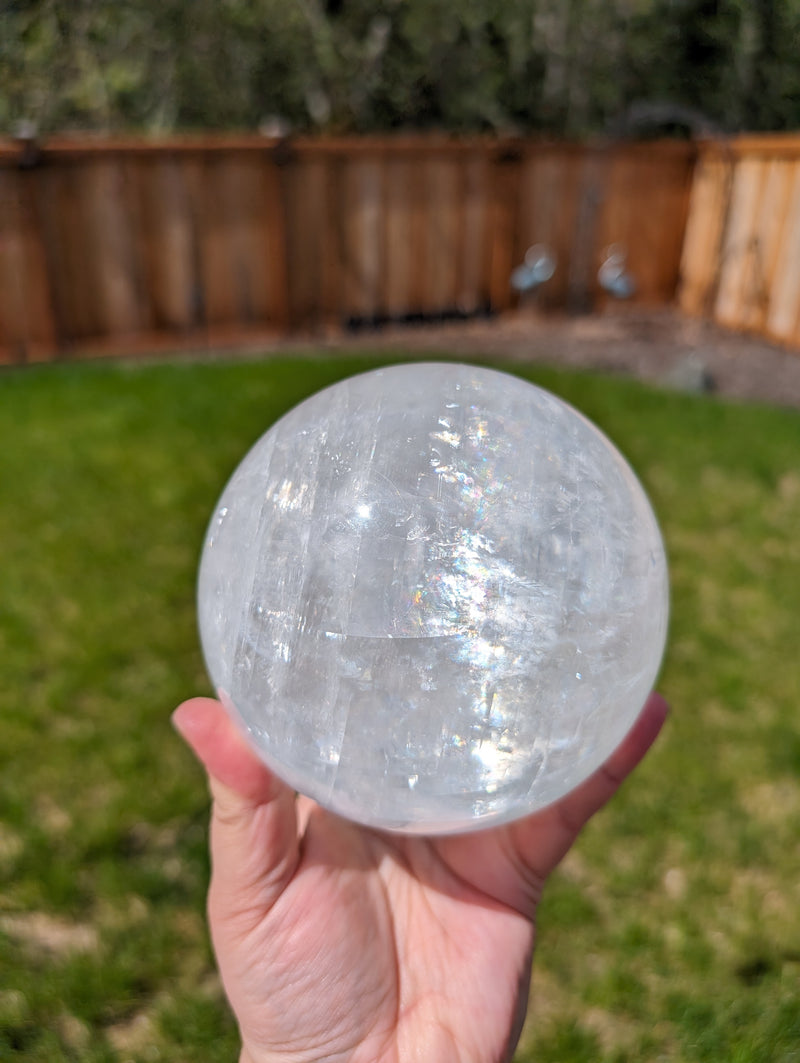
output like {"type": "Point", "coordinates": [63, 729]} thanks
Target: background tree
{"type": "Point", "coordinates": [565, 67]}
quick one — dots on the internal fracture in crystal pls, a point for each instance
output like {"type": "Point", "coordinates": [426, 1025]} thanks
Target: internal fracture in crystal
{"type": "Point", "coordinates": [434, 596]}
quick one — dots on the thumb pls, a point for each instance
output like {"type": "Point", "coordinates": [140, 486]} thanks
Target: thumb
{"type": "Point", "coordinates": [254, 841]}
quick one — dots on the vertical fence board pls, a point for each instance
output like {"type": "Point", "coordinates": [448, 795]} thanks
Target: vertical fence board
{"type": "Point", "coordinates": [42, 334]}
{"type": "Point", "coordinates": [363, 238]}
{"type": "Point", "coordinates": [13, 323]}
{"type": "Point", "coordinates": [782, 319]}
{"type": "Point", "coordinates": [583, 262]}
{"type": "Point", "coordinates": [215, 208]}
{"type": "Point", "coordinates": [737, 268]}
{"type": "Point", "coordinates": [624, 226]}
{"type": "Point", "coordinates": [541, 218]}
{"type": "Point", "coordinates": [170, 266]}
{"type": "Point", "coordinates": [705, 229]}
{"type": "Point", "coordinates": [249, 237]}
{"type": "Point", "coordinates": [60, 205]}
{"type": "Point", "coordinates": [419, 291]}
{"type": "Point", "coordinates": [27, 331]}
{"type": "Point", "coordinates": [666, 211]}
{"type": "Point", "coordinates": [274, 249]}
{"type": "Point", "coordinates": [399, 207]}
{"type": "Point", "coordinates": [135, 172]}
{"type": "Point", "coordinates": [113, 251]}
{"type": "Point", "coordinates": [769, 233]}
{"type": "Point", "coordinates": [505, 241]}
{"type": "Point", "coordinates": [752, 295]}
{"type": "Point", "coordinates": [474, 294]}
{"type": "Point", "coordinates": [331, 242]}
{"type": "Point", "coordinates": [306, 220]}
{"type": "Point", "coordinates": [443, 250]}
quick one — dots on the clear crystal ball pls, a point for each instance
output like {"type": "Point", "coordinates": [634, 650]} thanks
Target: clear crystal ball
{"type": "Point", "coordinates": [434, 596]}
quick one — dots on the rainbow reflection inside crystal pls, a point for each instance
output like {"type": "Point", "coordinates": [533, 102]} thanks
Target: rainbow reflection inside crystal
{"type": "Point", "coordinates": [434, 596]}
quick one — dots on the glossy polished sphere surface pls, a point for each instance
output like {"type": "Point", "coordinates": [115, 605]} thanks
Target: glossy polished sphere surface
{"type": "Point", "coordinates": [434, 596]}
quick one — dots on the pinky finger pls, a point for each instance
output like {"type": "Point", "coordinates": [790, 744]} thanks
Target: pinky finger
{"type": "Point", "coordinates": [545, 838]}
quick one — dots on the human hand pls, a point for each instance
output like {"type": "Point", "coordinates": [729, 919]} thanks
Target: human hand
{"type": "Point", "coordinates": [337, 942]}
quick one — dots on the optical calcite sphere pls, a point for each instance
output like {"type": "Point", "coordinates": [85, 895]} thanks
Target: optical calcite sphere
{"type": "Point", "coordinates": [434, 596]}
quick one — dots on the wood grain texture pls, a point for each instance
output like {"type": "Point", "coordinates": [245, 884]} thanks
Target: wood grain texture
{"type": "Point", "coordinates": [122, 243]}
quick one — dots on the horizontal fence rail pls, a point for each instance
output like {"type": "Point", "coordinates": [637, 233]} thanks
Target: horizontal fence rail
{"type": "Point", "coordinates": [741, 257]}
{"type": "Point", "coordinates": [125, 245]}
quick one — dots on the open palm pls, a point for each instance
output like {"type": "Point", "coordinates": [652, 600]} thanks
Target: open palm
{"type": "Point", "coordinates": [338, 942]}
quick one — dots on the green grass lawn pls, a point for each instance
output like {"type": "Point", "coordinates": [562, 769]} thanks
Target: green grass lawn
{"type": "Point", "coordinates": [671, 933]}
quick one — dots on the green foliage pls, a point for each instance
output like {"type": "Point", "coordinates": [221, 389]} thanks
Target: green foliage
{"type": "Point", "coordinates": [669, 933]}
{"type": "Point", "coordinates": [566, 66]}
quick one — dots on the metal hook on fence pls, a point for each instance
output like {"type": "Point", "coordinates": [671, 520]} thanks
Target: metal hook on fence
{"type": "Point", "coordinates": [538, 267]}
{"type": "Point", "coordinates": [613, 276]}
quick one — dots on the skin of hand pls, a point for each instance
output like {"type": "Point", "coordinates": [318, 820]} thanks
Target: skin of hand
{"type": "Point", "coordinates": [337, 942]}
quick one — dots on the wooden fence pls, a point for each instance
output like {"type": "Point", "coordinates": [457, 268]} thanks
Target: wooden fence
{"type": "Point", "coordinates": [132, 245]}
{"type": "Point", "coordinates": [741, 257]}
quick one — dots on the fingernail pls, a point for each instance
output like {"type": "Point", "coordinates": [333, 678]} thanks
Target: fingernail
{"type": "Point", "coordinates": [182, 722]}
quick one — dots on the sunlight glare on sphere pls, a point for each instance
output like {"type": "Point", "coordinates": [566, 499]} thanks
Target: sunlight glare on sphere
{"type": "Point", "coordinates": [434, 596]}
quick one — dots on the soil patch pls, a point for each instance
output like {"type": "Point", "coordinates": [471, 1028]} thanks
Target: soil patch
{"type": "Point", "coordinates": [658, 346]}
